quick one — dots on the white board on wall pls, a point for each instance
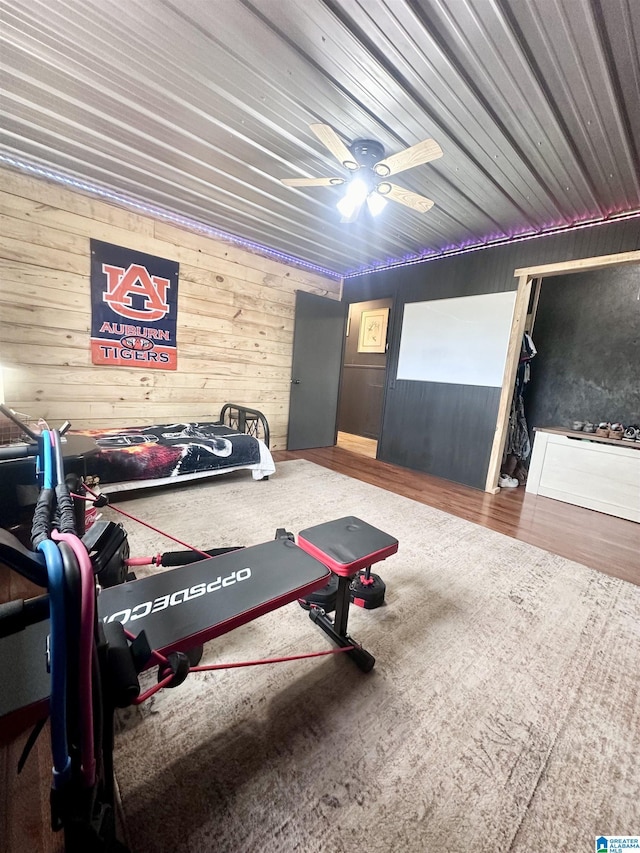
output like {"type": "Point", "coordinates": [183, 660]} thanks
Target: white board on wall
{"type": "Point", "coordinates": [462, 341]}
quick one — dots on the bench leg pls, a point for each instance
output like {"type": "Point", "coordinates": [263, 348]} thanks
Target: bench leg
{"type": "Point", "coordinates": [337, 629]}
{"type": "Point", "coordinates": [342, 606]}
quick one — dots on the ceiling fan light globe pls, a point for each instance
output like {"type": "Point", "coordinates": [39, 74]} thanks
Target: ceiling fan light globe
{"type": "Point", "coordinates": [347, 208]}
{"type": "Point", "coordinates": [376, 203]}
{"type": "Point", "coordinates": [357, 190]}
{"type": "Point", "coordinates": [353, 199]}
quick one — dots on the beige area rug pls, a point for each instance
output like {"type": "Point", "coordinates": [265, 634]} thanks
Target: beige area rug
{"type": "Point", "coordinates": [503, 713]}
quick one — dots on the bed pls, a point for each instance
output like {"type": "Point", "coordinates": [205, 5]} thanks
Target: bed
{"type": "Point", "coordinates": [141, 456]}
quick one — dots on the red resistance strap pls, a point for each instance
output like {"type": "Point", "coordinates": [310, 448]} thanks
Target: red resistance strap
{"type": "Point", "coordinates": [167, 674]}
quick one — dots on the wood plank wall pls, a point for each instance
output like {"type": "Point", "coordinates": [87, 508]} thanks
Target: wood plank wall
{"type": "Point", "coordinates": [235, 316]}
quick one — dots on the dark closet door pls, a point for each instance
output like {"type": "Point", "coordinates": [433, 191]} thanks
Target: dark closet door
{"type": "Point", "coordinates": [318, 339]}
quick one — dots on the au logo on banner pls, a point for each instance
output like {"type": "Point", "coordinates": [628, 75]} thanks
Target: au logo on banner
{"type": "Point", "coordinates": [134, 306]}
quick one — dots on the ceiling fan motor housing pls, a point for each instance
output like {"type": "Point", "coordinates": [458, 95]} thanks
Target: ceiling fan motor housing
{"type": "Point", "coordinates": [367, 152]}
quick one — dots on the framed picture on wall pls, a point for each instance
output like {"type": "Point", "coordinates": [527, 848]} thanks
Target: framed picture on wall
{"type": "Point", "coordinates": [373, 330]}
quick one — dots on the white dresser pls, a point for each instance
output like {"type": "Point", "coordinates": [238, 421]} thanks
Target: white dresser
{"type": "Point", "coordinates": [600, 474]}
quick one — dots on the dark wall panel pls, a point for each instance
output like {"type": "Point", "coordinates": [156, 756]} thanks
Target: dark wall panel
{"type": "Point", "coordinates": [587, 333]}
{"type": "Point", "coordinates": [458, 448]}
{"type": "Point", "coordinates": [445, 413]}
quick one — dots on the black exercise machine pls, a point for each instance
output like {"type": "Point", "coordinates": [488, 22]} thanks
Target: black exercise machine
{"type": "Point", "coordinates": [80, 648]}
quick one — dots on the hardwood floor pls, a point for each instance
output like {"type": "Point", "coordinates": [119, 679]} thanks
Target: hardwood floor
{"type": "Point", "coordinates": [611, 545]}
{"type": "Point", "coordinates": [358, 444]}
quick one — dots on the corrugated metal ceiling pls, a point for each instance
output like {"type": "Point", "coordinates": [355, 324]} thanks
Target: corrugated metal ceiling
{"type": "Point", "coordinates": [201, 106]}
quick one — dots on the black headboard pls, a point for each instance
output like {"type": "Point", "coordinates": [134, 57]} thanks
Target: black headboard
{"type": "Point", "coordinates": [250, 421]}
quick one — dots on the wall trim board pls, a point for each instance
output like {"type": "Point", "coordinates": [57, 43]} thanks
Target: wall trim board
{"type": "Point", "coordinates": [525, 276]}
{"type": "Point", "coordinates": [579, 265]}
{"type": "Point", "coordinates": [506, 393]}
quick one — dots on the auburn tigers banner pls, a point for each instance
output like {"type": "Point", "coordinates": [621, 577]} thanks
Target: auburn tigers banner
{"type": "Point", "coordinates": [134, 307]}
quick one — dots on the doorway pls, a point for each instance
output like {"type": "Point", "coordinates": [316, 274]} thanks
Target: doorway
{"type": "Point", "coordinates": [588, 349]}
{"type": "Point", "coordinates": [526, 277]}
{"type": "Point", "coordinates": [363, 376]}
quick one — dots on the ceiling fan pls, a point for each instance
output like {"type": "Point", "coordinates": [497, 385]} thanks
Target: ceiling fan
{"type": "Point", "coordinates": [364, 158]}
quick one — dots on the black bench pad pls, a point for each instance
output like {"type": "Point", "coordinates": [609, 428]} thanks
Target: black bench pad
{"type": "Point", "coordinates": [196, 603]}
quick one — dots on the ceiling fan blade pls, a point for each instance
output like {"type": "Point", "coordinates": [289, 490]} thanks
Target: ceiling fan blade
{"type": "Point", "coordinates": [332, 141]}
{"type": "Point", "coordinates": [416, 155]}
{"type": "Point", "coordinates": [312, 182]}
{"type": "Point", "coordinates": [416, 202]}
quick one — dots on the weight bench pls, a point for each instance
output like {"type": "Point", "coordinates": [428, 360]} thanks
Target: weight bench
{"type": "Point", "coordinates": [185, 608]}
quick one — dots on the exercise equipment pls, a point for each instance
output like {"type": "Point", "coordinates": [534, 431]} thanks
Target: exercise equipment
{"type": "Point", "coordinates": [80, 648]}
